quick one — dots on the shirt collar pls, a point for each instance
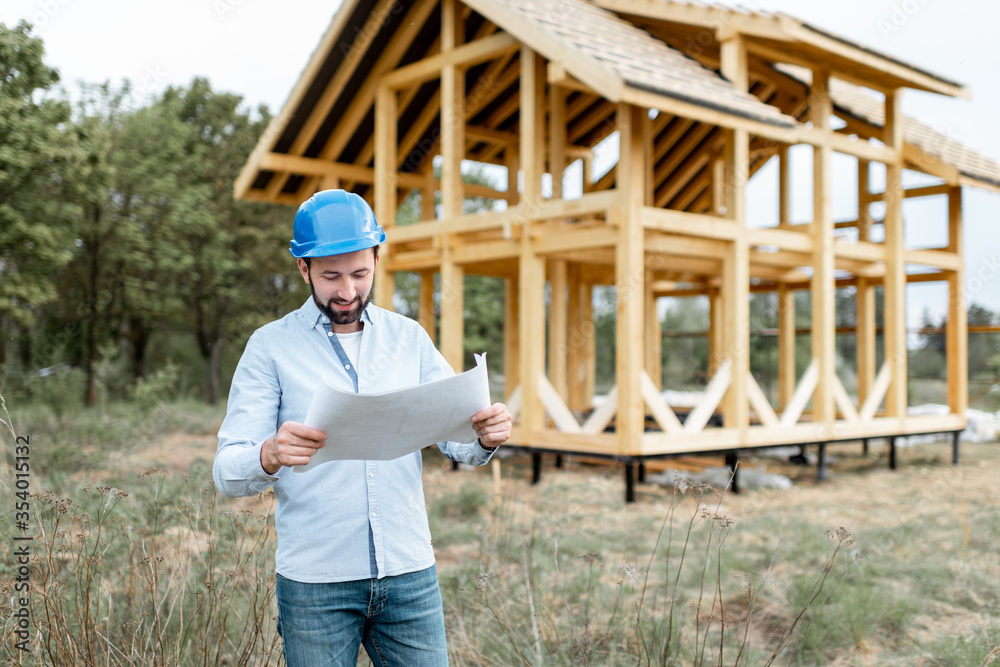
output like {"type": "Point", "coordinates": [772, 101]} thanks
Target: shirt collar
{"type": "Point", "coordinates": [314, 316]}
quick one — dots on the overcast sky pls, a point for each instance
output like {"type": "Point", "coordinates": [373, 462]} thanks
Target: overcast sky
{"type": "Point", "coordinates": [258, 49]}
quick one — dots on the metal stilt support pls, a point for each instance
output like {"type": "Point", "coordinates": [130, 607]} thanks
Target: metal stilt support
{"type": "Point", "coordinates": [821, 461]}
{"type": "Point", "coordinates": [629, 482]}
{"type": "Point", "coordinates": [955, 439]}
{"type": "Point", "coordinates": [536, 468]}
{"type": "Point", "coordinates": [864, 447]}
{"type": "Point", "coordinates": [892, 453]}
{"type": "Point", "coordinates": [641, 476]}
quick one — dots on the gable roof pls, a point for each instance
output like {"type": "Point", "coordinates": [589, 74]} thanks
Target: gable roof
{"type": "Point", "coordinates": [625, 51]}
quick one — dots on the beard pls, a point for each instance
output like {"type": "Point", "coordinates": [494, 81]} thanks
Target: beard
{"type": "Point", "coordinates": [338, 316]}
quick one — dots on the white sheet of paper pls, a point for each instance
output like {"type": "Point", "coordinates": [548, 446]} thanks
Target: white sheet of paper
{"type": "Point", "coordinates": [381, 427]}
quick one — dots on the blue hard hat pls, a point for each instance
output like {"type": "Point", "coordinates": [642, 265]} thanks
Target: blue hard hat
{"type": "Point", "coordinates": [333, 222]}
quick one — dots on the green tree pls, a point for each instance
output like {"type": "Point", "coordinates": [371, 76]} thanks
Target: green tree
{"type": "Point", "coordinates": [238, 275]}
{"type": "Point", "coordinates": [33, 231]}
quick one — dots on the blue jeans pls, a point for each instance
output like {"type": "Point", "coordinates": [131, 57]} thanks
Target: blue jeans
{"type": "Point", "coordinates": [398, 619]}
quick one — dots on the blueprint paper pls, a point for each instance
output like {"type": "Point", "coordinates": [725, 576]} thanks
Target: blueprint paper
{"type": "Point", "coordinates": [381, 427]}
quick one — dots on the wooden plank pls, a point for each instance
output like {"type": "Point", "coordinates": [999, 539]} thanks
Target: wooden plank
{"type": "Point", "coordinates": [691, 224]}
{"type": "Point", "coordinates": [927, 163]}
{"type": "Point", "coordinates": [452, 311]}
{"type": "Point", "coordinates": [630, 277]}
{"type": "Point", "coordinates": [658, 407]}
{"type": "Point", "coordinates": [894, 336]}
{"type": "Point", "coordinates": [652, 338]}
{"type": "Point", "coordinates": [385, 183]}
{"type": "Point", "coordinates": [532, 267]}
{"type": "Point", "coordinates": [556, 409]}
{"type": "Point", "coordinates": [758, 401]}
{"type": "Point", "coordinates": [588, 332]}
{"type": "Point", "coordinates": [601, 417]}
{"type": "Point", "coordinates": [939, 259]}
{"type": "Point", "coordinates": [714, 391]}
{"type": "Point", "coordinates": [803, 392]}
{"type": "Point", "coordinates": [466, 55]}
{"type": "Point", "coordinates": [511, 361]}
{"type": "Point", "coordinates": [957, 335]}
{"type": "Point", "coordinates": [486, 251]}
{"type": "Point", "coordinates": [843, 401]}
{"type": "Point", "coordinates": [784, 239]}
{"type": "Point", "coordinates": [514, 403]}
{"type": "Point", "coordinates": [425, 304]}
{"type": "Point", "coordinates": [786, 345]}
{"type": "Point", "coordinates": [575, 338]}
{"type": "Point", "coordinates": [878, 392]}
{"type": "Point", "coordinates": [578, 239]}
{"type": "Point", "coordinates": [558, 326]}
{"type": "Point", "coordinates": [784, 189]}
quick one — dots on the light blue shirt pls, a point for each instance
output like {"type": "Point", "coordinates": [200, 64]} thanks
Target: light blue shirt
{"type": "Point", "coordinates": [327, 517]}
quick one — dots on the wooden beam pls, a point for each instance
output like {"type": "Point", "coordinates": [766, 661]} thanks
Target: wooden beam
{"type": "Point", "coordinates": [558, 327]}
{"type": "Point", "coordinates": [784, 189]}
{"type": "Point", "coordinates": [425, 304]}
{"type": "Point", "coordinates": [895, 277]}
{"type": "Point", "coordinates": [865, 341]}
{"type": "Point", "coordinates": [531, 266]}
{"type": "Point", "coordinates": [630, 278]}
{"type": "Point", "coordinates": [465, 55]}
{"type": "Point", "coordinates": [957, 336]}
{"type": "Point", "coordinates": [693, 224]}
{"type": "Point", "coordinates": [822, 283]}
{"type": "Point", "coordinates": [511, 347]}
{"type": "Point", "coordinates": [385, 183]}
{"type": "Point", "coordinates": [786, 345]}
{"type": "Point", "coordinates": [652, 340]}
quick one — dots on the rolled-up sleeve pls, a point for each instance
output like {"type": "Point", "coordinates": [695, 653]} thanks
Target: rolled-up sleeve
{"type": "Point", "coordinates": [251, 418]}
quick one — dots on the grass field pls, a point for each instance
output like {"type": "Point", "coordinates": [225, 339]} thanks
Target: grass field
{"type": "Point", "coordinates": [136, 560]}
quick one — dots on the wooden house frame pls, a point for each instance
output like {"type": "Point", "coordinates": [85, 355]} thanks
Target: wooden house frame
{"type": "Point", "coordinates": [701, 97]}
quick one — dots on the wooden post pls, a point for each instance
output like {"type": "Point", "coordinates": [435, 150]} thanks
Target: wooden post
{"type": "Point", "coordinates": [425, 304]}
{"type": "Point", "coordinates": [822, 284]}
{"type": "Point", "coordinates": [715, 341]}
{"type": "Point", "coordinates": [784, 190]}
{"type": "Point", "coordinates": [865, 336]}
{"type": "Point", "coordinates": [385, 186]}
{"type": "Point", "coordinates": [957, 335]}
{"type": "Point", "coordinates": [558, 327]}
{"type": "Point", "coordinates": [589, 333]}
{"type": "Point", "coordinates": [786, 345]}
{"type": "Point", "coordinates": [895, 270]}
{"type": "Point", "coordinates": [511, 360]}
{"type": "Point", "coordinates": [630, 279]}
{"type": "Point", "coordinates": [574, 339]}
{"type": "Point", "coordinates": [557, 139]}
{"type": "Point", "coordinates": [736, 258]}
{"type": "Point", "coordinates": [428, 211]}
{"type": "Point", "coordinates": [532, 266]}
{"type": "Point", "coordinates": [452, 193]}
{"type": "Point", "coordinates": [653, 336]}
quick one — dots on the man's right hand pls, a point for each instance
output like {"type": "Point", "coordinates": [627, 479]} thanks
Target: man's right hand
{"type": "Point", "coordinates": [293, 445]}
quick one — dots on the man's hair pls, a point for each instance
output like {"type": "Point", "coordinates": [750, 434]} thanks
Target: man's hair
{"type": "Point", "coordinates": [309, 259]}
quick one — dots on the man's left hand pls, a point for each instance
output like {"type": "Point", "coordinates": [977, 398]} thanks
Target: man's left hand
{"type": "Point", "coordinates": [492, 425]}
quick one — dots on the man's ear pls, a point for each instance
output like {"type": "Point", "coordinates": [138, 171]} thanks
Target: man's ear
{"type": "Point", "coordinates": [303, 269]}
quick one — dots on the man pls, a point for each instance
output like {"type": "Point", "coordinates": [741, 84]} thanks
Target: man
{"type": "Point", "coordinates": [354, 561]}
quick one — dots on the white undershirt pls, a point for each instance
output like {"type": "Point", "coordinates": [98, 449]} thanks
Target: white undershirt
{"type": "Point", "coordinates": [351, 342]}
